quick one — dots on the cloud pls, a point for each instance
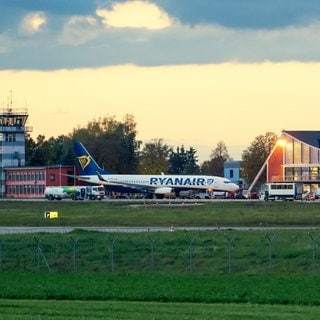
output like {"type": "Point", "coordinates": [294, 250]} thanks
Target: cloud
{"type": "Point", "coordinates": [147, 33]}
{"type": "Point", "coordinates": [79, 30]}
{"type": "Point", "coordinates": [33, 22]}
{"type": "Point", "coordinates": [135, 14]}
{"type": "Point", "coordinates": [244, 14]}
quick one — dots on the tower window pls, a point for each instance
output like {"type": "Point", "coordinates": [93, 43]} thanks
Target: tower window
{"type": "Point", "coordinates": [10, 137]}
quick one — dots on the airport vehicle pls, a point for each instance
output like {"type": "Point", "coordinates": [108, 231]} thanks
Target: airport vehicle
{"type": "Point", "coordinates": [75, 192]}
{"type": "Point", "coordinates": [280, 191]}
{"type": "Point", "coordinates": [192, 194]}
{"type": "Point", "coordinates": [202, 195]}
{"type": "Point", "coordinates": [89, 192]}
{"type": "Point", "coordinates": [156, 185]}
{"type": "Point", "coordinates": [186, 194]}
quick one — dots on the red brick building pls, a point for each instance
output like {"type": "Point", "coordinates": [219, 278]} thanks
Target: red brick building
{"type": "Point", "coordinates": [30, 182]}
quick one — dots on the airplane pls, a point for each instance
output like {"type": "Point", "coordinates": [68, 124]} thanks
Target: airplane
{"type": "Point", "coordinates": [155, 185]}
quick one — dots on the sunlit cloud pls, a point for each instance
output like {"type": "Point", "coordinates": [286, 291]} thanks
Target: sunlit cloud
{"type": "Point", "coordinates": [79, 30]}
{"type": "Point", "coordinates": [143, 32]}
{"type": "Point", "coordinates": [33, 22]}
{"type": "Point", "coordinates": [135, 14]}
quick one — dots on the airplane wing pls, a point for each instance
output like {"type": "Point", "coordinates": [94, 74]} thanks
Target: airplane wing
{"type": "Point", "coordinates": [103, 181]}
{"type": "Point", "coordinates": [132, 186]}
{"type": "Point", "coordinates": [82, 178]}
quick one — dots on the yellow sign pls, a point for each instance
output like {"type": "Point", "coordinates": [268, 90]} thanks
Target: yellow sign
{"type": "Point", "coordinates": [51, 214]}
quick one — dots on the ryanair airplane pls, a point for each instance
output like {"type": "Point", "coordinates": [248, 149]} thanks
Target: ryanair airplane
{"type": "Point", "coordinates": [158, 185]}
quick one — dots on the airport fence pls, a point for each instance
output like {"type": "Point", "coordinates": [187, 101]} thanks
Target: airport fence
{"type": "Point", "coordinates": [220, 252]}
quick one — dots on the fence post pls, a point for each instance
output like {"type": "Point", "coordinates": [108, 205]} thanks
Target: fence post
{"type": "Point", "coordinates": [113, 241]}
{"type": "Point", "coordinates": [314, 248]}
{"type": "Point", "coordinates": [40, 253]}
{"type": "Point", "coordinates": [230, 241]}
{"type": "Point", "coordinates": [270, 240]}
{"type": "Point", "coordinates": [191, 240]}
{"type": "Point", "coordinates": [74, 252]}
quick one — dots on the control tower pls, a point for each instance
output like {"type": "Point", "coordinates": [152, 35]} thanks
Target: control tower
{"type": "Point", "coordinates": [12, 140]}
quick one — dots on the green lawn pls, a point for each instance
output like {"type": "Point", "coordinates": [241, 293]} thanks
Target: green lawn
{"type": "Point", "coordinates": [124, 310]}
{"type": "Point", "coordinates": [97, 296]}
{"type": "Point", "coordinates": [252, 289]}
{"type": "Point", "coordinates": [215, 213]}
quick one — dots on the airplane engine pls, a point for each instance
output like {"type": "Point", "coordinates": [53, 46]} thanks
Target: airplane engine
{"type": "Point", "coordinates": [164, 192]}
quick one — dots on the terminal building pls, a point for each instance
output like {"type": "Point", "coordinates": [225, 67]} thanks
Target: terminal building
{"type": "Point", "coordinates": [294, 158]}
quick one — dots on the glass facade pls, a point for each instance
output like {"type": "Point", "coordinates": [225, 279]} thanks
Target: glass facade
{"type": "Point", "coordinates": [305, 153]}
{"type": "Point", "coordinates": [301, 161]}
{"type": "Point", "coordinates": [314, 155]}
{"type": "Point", "coordinates": [289, 152]}
{"type": "Point", "coordinates": [297, 152]}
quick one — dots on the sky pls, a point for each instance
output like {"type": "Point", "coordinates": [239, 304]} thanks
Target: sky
{"type": "Point", "coordinates": [191, 72]}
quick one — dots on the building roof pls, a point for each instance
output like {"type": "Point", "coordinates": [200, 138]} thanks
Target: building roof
{"type": "Point", "coordinates": [28, 168]}
{"type": "Point", "coordinates": [311, 138]}
{"type": "Point", "coordinates": [232, 164]}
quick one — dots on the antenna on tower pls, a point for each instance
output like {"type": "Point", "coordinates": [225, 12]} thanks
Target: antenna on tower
{"type": "Point", "coordinates": [9, 100]}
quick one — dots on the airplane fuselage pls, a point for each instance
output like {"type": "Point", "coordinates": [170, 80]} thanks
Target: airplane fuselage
{"type": "Point", "coordinates": [159, 181]}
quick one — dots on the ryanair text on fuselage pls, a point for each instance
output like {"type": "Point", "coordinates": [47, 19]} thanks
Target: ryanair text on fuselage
{"type": "Point", "coordinates": [181, 181]}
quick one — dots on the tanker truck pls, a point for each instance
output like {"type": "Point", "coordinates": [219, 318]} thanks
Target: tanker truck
{"type": "Point", "coordinates": [74, 192]}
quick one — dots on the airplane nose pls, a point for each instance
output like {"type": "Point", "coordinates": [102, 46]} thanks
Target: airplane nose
{"type": "Point", "coordinates": [235, 187]}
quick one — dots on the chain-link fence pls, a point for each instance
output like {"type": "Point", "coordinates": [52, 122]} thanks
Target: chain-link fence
{"type": "Point", "coordinates": [218, 252]}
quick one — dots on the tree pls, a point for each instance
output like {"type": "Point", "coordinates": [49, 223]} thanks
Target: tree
{"type": "Point", "coordinates": [39, 154]}
{"type": "Point", "coordinates": [61, 150]}
{"type": "Point", "coordinates": [254, 157]}
{"type": "Point", "coordinates": [30, 146]}
{"type": "Point", "coordinates": [215, 166]}
{"type": "Point", "coordinates": [113, 143]}
{"type": "Point", "coordinates": [154, 157]}
{"type": "Point", "coordinates": [184, 161]}
{"type": "Point", "coordinates": [55, 151]}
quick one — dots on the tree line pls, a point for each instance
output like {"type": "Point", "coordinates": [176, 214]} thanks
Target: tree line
{"type": "Point", "coordinates": [115, 147]}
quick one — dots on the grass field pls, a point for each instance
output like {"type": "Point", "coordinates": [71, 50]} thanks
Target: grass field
{"type": "Point", "coordinates": [115, 310]}
{"type": "Point", "coordinates": [96, 296]}
{"type": "Point", "coordinates": [215, 213]}
{"type": "Point", "coordinates": [251, 291]}
{"type": "Point", "coordinates": [147, 287]}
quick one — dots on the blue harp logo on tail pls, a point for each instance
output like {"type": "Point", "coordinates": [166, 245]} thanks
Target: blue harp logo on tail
{"type": "Point", "coordinates": [84, 161]}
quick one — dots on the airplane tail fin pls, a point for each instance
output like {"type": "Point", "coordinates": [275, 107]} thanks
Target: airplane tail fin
{"type": "Point", "coordinates": [85, 163]}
